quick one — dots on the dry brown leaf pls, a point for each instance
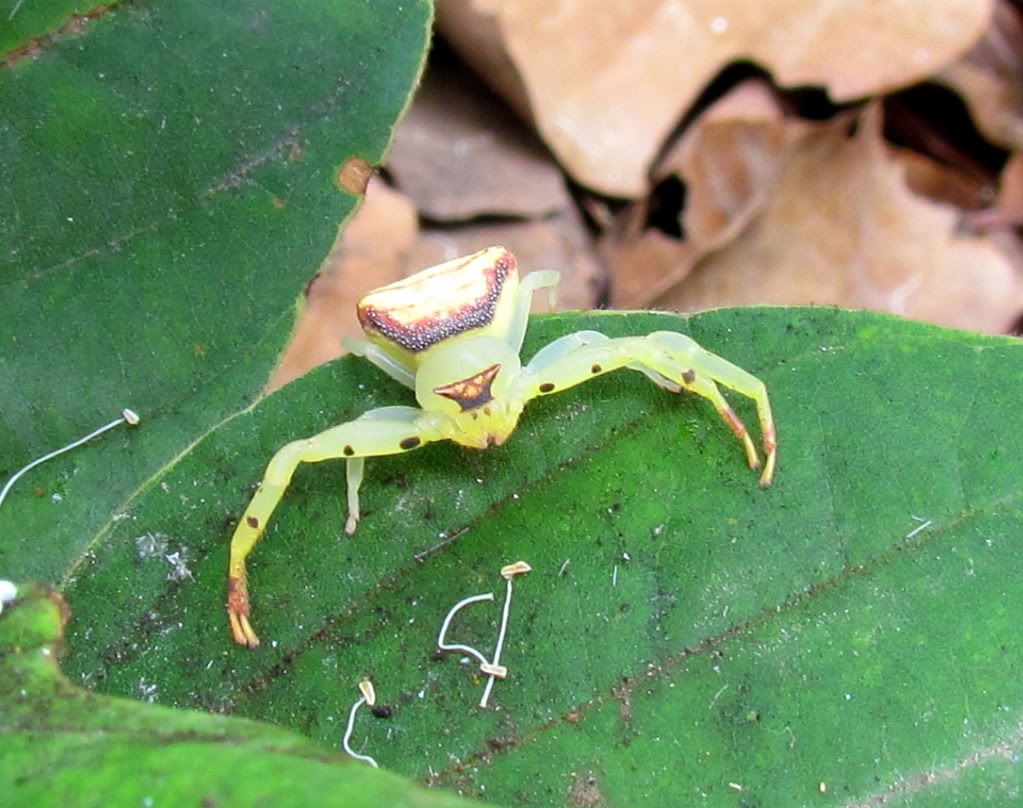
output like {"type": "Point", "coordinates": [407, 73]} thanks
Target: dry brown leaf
{"type": "Point", "coordinates": [968, 190]}
{"type": "Point", "coordinates": [843, 228]}
{"type": "Point", "coordinates": [989, 78]}
{"type": "Point", "coordinates": [646, 266]}
{"type": "Point", "coordinates": [606, 84]}
{"type": "Point", "coordinates": [729, 160]}
{"type": "Point", "coordinates": [459, 153]}
{"type": "Point", "coordinates": [559, 243]}
{"type": "Point", "coordinates": [1010, 190]}
{"type": "Point", "coordinates": [370, 252]}
{"type": "Point", "coordinates": [1007, 211]}
{"type": "Point", "coordinates": [383, 243]}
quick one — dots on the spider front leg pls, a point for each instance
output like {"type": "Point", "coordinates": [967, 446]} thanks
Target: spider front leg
{"type": "Point", "coordinates": [388, 430]}
{"type": "Point", "coordinates": [672, 360]}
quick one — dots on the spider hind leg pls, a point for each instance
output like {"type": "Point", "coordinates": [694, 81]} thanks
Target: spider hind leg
{"type": "Point", "coordinates": [669, 359]}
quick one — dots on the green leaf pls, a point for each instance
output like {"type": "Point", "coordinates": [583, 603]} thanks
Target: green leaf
{"type": "Point", "coordinates": [169, 183]}
{"type": "Point", "coordinates": [60, 745]}
{"type": "Point", "coordinates": [854, 628]}
{"type": "Point", "coordinates": [27, 25]}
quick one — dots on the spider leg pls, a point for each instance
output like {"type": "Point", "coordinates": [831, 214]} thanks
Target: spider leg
{"type": "Point", "coordinates": [673, 361]}
{"type": "Point", "coordinates": [396, 367]}
{"type": "Point", "coordinates": [389, 430]}
{"type": "Point", "coordinates": [524, 299]}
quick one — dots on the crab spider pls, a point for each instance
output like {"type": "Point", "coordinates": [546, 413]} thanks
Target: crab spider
{"type": "Point", "coordinates": [453, 333]}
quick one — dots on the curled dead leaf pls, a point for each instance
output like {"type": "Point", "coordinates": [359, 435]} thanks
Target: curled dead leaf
{"type": "Point", "coordinates": [558, 242]}
{"type": "Point", "coordinates": [728, 161]}
{"type": "Point", "coordinates": [988, 78]}
{"type": "Point", "coordinates": [1010, 192]}
{"type": "Point", "coordinates": [843, 228]}
{"type": "Point", "coordinates": [460, 154]}
{"type": "Point", "coordinates": [939, 182]}
{"type": "Point", "coordinates": [606, 88]}
{"type": "Point", "coordinates": [370, 251]}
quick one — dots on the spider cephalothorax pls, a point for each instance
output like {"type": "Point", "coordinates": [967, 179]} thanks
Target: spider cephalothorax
{"type": "Point", "coordinates": [453, 334]}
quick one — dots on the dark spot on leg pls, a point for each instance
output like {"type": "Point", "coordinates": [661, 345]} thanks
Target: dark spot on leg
{"type": "Point", "coordinates": [348, 450]}
{"type": "Point", "coordinates": [410, 443]}
{"type": "Point", "coordinates": [689, 376]}
{"type": "Point", "coordinates": [546, 387]}
{"type": "Point", "coordinates": [252, 521]}
{"type": "Point", "coordinates": [596, 369]}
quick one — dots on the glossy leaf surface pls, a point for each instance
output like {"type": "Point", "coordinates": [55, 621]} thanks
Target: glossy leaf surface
{"type": "Point", "coordinates": [60, 745]}
{"type": "Point", "coordinates": [168, 181]}
{"type": "Point", "coordinates": [847, 636]}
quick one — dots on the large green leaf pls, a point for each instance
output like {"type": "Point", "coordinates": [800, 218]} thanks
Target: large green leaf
{"type": "Point", "coordinates": [167, 186]}
{"type": "Point", "coordinates": [850, 635]}
{"type": "Point", "coordinates": [63, 746]}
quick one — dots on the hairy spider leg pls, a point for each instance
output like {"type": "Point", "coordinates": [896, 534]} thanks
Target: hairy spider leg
{"type": "Point", "coordinates": [389, 430]}
{"type": "Point", "coordinates": [672, 360]}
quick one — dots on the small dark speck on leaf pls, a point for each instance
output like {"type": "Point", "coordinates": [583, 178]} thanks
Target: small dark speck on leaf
{"type": "Point", "coordinates": [398, 481]}
{"type": "Point", "coordinates": [353, 176]}
{"type": "Point", "coordinates": [585, 793]}
{"type": "Point", "coordinates": [382, 711]}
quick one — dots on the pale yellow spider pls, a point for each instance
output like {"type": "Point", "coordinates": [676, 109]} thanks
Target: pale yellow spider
{"type": "Point", "coordinates": [453, 333]}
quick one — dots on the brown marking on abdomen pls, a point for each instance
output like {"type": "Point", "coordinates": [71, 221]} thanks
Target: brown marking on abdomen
{"type": "Point", "coordinates": [422, 331]}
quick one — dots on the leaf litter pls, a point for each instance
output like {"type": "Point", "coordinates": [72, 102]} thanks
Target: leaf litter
{"type": "Point", "coordinates": [756, 168]}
